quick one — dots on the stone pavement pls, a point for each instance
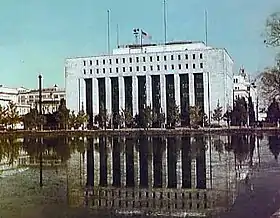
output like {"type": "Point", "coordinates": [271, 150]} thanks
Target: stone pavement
{"type": "Point", "coordinates": [260, 198]}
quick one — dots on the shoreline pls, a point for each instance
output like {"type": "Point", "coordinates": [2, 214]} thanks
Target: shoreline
{"type": "Point", "coordinates": [137, 131]}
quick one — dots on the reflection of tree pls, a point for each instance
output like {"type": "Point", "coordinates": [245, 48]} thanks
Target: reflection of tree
{"type": "Point", "coordinates": [218, 145]}
{"type": "Point", "coordinates": [240, 146]}
{"type": "Point", "coordinates": [274, 145]}
{"type": "Point", "coordinates": [9, 149]}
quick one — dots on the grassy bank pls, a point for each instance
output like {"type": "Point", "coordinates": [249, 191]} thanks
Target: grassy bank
{"type": "Point", "coordinates": [131, 132]}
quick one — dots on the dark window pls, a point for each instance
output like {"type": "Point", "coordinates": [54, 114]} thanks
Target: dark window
{"type": "Point", "coordinates": [117, 69]}
{"type": "Point", "coordinates": [110, 61]}
{"type": "Point", "coordinates": [137, 59]}
{"type": "Point", "coordinates": [97, 62]}
{"type": "Point", "coordinates": [97, 71]}
{"type": "Point", "coordinates": [137, 68]}
{"type": "Point", "coordinates": [193, 66]}
{"type": "Point", "coordinates": [103, 70]}
{"type": "Point", "coordinates": [187, 57]}
{"type": "Point", "coordinates": [90, 62]}
{"type": "Point", "coordinates": [179, 57]}
{"type": "Point", "coordinates": [158, 67]}
{"type": "Point", "coordinates": [123, 60]}
{"type": "Point", "coordinates": [157, 58]}
{"type": "Point", "coordinates": [201, 65]}
{"type": "Point", "coordinates": [200, 55]}
{"type": "Point", "coordinates": [179, 66]}
{"type": "Point", "coordinates": [117, 61]}
{"type": "Point", "coordinates": [123, 69]}
{"type": "Point", "coordinates": [151, 59]}
{"type": "Point", "coordinates": [151, 67]}
{"type": "Point", "coordinates": [144, 59]}
{"type": "Point", "coordinates": [84, 63]}
{"type": "Point", "coordinates": [85, 71]}
{"type": "Point", "coordinates": [172, 66]}
{"type": "Point", "coordinates": [144, 68]}
{"type": "Point", "coordinates": [90, 71]}
{"type": "Point", "coordinates": [110, 70]}
{"type": "Point", "coordinates": [187, 66]}
{"type": "Point", "coordinates": [193, 56]}
{"type": "Point", "coordinates": [103, 61]}
{"type": "Point", "coordinates": [172, 57]}
{"type": "Point", "coordinates": [165, 67]}
{"type": "Point", "coordinates": [130, 69]}
{"type": "Point", "coordinates": [130, 60]}
{"type": "Point", "coordinates": [164, 58]}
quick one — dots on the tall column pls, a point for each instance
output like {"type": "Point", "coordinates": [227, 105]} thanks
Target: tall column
{"type": "Point", "coordinates": [108, 94]}
{"type": "Point", "coordinates": [82, 94]}
{"type": "Point", "coordinates": [163, 94]}
{"type": "Point", "coordinates": [95, 96]}
{"type": "Point", "coordinates": [191, 89]}
{"type": "Point", "coordinates": [121, 94]}
{"type": "Point", "coordinates": [207, 99]}
{"type": "Point", "coordinates": [149, 90]}
{"type": "Point", "coordinates": [177, 89]}
{"type": "Point", "coordinates": [164, 165]}
{"type": "Point", "coordinates": [96, 155]}
{"type": "Point", "coordinates": [134, 95]}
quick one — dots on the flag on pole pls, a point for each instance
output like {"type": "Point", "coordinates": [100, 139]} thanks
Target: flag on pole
{"type": "Point", "coordinates": [145, 35]}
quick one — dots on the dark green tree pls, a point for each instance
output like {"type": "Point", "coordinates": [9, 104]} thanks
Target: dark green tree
{"type": "Point", "coordinates": [239, 113]}
{"type": "Point", "coordinates": [252, 117]}
{"type": "Point", "coordinates": [33, 120]}
{"type": "Point", "coordinates": [195, 116]}
{"type": "Point", "coordinates": [62, 115]}
{"type": "Point", "coordinates": [173, 114]}
{"type": "Point", "coordinates": [218, 113]}
{"type": "Point", "coordinates": [273, 112]}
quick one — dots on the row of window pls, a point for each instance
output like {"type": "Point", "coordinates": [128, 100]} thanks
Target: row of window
{"type": "Point", "coordinates": [144, 59]}
{"type": "Point", "coordinates": [144, 68]}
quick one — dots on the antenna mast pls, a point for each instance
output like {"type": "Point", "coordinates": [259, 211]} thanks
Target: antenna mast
{"type": "Point", "coordinates": [206, 27]}
{"type": "Point", "coordinates": [164, 21]}
{"type": "Point", "coordinates": [108, 31]}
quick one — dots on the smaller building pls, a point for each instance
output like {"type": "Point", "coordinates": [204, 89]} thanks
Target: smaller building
{"type": "Point", "coordinates": [243, 87]}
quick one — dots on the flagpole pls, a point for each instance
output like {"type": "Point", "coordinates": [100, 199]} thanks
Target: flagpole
{"type": "Point", "coordinates": [108, 30]}
{"type": "Point", "coordinates": [118, 39]}
{"type": "Point", "coordinates": [141, 40]}
{"type": "Point", "coordinates": [164, 21]}
{"type": "Point", "coordinates": [206, 27]}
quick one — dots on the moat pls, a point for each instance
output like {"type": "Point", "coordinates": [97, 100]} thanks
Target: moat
{"type": "Point", "coordinates": [197, 175]}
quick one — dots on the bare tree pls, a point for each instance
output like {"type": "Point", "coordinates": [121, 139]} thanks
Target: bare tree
{"type": "Point", "coordinates": [273, 30]}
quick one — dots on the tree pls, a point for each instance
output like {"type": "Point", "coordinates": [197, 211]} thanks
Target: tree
{"type": "Point", "coordinates": [218, 113]}
{"type": "Point", "coordinates": [62, 115]}
{"type": "Point", "coordinates": [81, 118]}
{"type": "Point", "coordinates": [33, 119]}
{"type": "Point", "coordinates": [252, 118]}
{"type": "Point", "coordinates": [147, 117]}
{"type": "Point", "coordinates": [117, 120]}
{"type": "Point", "coordinates": [161, 118]}
{"type": "Point", "coordinates": [273, 112]}
{"type": "Point", "coordinates": [3, 114]}
{"type": "Point", "coordinates": [127, 117]}
{"type": "Point", "coordinates": [72, 120]}
{"type": "Point", "coordinates": [173, 114]}
{"type": "Point", "coordinates": [195, 116]}
{"type": "Point", "coordinates": [273, 30]}
{"type": "Point", "coordinates": [239, 112]}
{"type": "Point", "coordinates": [12, 114]}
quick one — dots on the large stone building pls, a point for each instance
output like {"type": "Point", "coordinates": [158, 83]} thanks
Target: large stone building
{"type": "Point", "coordinates": [133, 76]}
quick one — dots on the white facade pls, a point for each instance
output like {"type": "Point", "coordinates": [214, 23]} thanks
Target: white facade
{"type": "Point", "coordinates": [27, 98]}
{"type": "Point", "coordinates": [50, 98]}
{"type": "Point", "coordinates": [244, 88]}
{"type": "Point", "coordinates": [171, 59]}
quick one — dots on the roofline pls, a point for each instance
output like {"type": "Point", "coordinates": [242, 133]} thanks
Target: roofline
{"type": "Point", "coordinates": [112, 55]}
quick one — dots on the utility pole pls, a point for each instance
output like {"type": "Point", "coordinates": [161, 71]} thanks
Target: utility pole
{"type": "Point", "coordinates": [41, 128]}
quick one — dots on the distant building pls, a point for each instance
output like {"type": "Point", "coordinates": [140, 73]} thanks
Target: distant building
{"type": "Point", "coordinates": [243, 87]}
{"type": "Point", "coordinates": [135, 76]}
{"type": "Point", "coordinates": [28, 98]}
{"type": "Point", "coordinates": [50, 98]}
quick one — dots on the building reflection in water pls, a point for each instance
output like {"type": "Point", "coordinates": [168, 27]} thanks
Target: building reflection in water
{"type": "Point", "coordinates": [160, 174]}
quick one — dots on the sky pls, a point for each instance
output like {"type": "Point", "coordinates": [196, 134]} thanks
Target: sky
{"type": "Point", "coordinates": [37, 35]}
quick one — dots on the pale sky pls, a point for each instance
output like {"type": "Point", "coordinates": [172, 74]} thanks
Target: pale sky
{"type": "Point", "coordinates": [37, 35]}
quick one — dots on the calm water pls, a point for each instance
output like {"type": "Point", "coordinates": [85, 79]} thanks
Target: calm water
{"type": "Point", "coordinates": [117, 176]}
